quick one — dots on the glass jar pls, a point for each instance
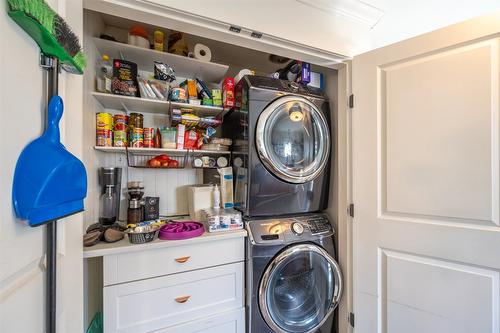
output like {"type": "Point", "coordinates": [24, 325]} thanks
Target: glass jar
{"type": "Point", "coordinates": [134, 213]}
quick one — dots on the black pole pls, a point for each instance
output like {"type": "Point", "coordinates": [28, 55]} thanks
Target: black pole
{"type": "Point", "coordinates": [52, 66]}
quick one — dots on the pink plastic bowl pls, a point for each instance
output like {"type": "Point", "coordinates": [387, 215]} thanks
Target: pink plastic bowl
{"type": "Point", "coordinates": [181, 230]}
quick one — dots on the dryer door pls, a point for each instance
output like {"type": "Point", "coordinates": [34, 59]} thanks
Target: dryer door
{"type": "Point", "coordinates": [293, 140]}
{"type": "Point", "coordinates": [300, 289]}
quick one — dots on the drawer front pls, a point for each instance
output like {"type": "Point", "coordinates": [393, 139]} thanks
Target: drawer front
{"type": "Point", "coordinates": [227, 322]}
{"type": "Point", "coordinates": [146, 264]}
{"type": "Point", "coordinates": [167, 301]}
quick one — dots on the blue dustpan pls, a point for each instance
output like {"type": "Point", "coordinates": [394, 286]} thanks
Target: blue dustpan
{"type": "Point", "coordinates": [49, 182]}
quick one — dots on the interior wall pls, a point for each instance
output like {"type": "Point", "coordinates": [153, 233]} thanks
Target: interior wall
{"type": "Point", "coordinates": [335, 83]}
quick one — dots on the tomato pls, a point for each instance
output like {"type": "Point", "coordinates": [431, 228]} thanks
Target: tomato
{"type": "Point", "coordinates": [162, 158]}
{"type": "Point", "coordinates": [173, 164]}
{"type": "Point", "coordinates": [165, 164]}
{"type": "Point", "coordinates": [154, 163]}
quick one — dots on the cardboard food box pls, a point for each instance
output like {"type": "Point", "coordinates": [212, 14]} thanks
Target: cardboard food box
{"type": "Point", "coordinates": [124, 78]}
{"type": "Point", "coordinates": [228, 93]}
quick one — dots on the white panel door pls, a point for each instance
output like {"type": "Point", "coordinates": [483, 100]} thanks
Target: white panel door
{"type": "Point", "coordinates": [22, 248]}
{"type": "Point", "coordinates": [426, 183]}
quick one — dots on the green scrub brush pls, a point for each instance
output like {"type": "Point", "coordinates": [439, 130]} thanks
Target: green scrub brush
{"type": "Point", "coordinates": [50, 32]}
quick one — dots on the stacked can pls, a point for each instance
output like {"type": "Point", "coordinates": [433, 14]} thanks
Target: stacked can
{"type": "Point", "coordinates": [120, 132]}
{"type": "Point", "coordinates": [136, 130]}
{"type": "Point", "coordinates": [104, 127]}
{"type": "Point", "coordinates": [149, 137]}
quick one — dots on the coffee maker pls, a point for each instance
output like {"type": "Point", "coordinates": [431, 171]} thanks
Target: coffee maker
{"type": "Point", "coordinates": [110, 180]}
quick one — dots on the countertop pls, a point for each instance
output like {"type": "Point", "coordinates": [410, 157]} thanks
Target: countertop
{"type": "Point", "coordinates": [124, 246]}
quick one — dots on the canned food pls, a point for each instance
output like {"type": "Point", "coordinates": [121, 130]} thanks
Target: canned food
{"type": "Point", "coordinates": [149, 137]}
{"type": "Point", "coordinates": [103, 138]}
{"type": "Point", "coordinates": [136, 120]}
{"type": "Point", "coordinates": [137, 138]}
{"type": "Point", "coordinates": [104, 121]}
{"type": "Point", "coordinates": [120, 122]}
{"type": "Point", "coordinates": [120, 138]}
{"type": "Point", "coordinates": [178, 94]}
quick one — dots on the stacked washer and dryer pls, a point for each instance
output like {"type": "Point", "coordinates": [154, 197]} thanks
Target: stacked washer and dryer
{"type": "Point", "coordinates": [281, 159]}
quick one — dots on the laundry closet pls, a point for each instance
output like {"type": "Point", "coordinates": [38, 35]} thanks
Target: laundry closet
{"type": "Point", "coordinates": [206, 277]}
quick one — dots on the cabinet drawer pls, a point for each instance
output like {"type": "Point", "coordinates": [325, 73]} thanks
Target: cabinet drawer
{"type": "Point", "coordinates": [227, 322]}
{"type": "Point", "coordinates": [167, 301]}
{"type": "Point", "coordinates": [145, 264]}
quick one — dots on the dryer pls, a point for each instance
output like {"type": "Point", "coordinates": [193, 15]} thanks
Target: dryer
{"type": "Point", "coordinates": [293, 281]}
{"type": "Point", "coordinates": [281, 147]}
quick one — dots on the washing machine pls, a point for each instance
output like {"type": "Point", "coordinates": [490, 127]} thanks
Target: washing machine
{"type": "Point", "coordinates": [293, 281]}
{"type": "Point", "coordinates": [281, 147]}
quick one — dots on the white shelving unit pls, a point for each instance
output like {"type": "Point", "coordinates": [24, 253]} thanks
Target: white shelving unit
{"type": "Point", "coordinates": [144, 58]}
{"type": "Point", "coordinates": [117, 102]}
{"type": "Point", "coordinates": [152, 151]}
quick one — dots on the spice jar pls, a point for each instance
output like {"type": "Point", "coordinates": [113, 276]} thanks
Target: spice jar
{"type": "Point", "coordinates": [134, 213]}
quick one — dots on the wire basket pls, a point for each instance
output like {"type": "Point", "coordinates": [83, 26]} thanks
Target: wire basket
{"type": "Point", "coordinates": [141, 161]}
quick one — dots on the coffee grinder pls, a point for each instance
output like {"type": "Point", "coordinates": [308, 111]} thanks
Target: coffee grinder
{"type": "Point", "coordinates": [110, 180]}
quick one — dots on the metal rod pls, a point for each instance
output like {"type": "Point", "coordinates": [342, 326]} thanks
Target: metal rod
{"type": "Point", "coordinates": [51, 234]}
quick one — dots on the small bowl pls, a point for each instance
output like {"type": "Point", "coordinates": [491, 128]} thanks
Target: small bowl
{"type": "Point", "coordinates": [142, 234]}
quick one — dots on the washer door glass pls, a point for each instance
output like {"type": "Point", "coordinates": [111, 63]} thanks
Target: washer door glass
{"type": "Point", "coordinates": [293, 140]}
{"type": "Point", "coordinates": [300, 289]}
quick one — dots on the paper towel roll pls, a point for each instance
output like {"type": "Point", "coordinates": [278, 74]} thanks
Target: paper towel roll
{"type": "Point", "coordinates": [202, 52]}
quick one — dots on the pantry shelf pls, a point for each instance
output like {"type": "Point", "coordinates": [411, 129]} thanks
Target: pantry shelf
{"type": "Point", "coordinates": [152, 151]}
{"type": "Point", "coordinates": [144, 58]}
{"type": "Point", "coordinates": [116, 102]}
{"type": "Point", "coordinates": [144, 105]}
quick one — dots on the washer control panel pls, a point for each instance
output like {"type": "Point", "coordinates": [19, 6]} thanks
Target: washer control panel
{"type": "Point", "coordinates": [297, 228]}
{"type": "Point", "coordinates": [319, 225]}
{"type": "Point", "coordinates": [277, 231]}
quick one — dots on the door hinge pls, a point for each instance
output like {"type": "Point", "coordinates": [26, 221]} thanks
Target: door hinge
{"type": "Point", "coordinates": [351, 210]}
{"type": "Point", "coordinates": [351, 319]}
{"type": "Point", "coordinates": [351, 101]}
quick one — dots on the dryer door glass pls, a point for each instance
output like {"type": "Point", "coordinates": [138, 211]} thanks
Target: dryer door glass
{"type": "Point", "coordinates": [300, 289]}
{"type": "Point", "coordinates": [293, 140]}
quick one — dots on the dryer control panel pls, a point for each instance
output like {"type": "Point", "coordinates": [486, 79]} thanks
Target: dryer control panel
{"type": "Point", "coordinates": [289, 229]}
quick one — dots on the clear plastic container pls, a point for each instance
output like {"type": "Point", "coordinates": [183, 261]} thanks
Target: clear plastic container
{"type": "Point", "coordinates": [168, 137]}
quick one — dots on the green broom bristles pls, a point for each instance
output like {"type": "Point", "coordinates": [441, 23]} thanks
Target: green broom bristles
{"type": "Point", "coordinates": [37, 9]}
{"type": "Point", "coordinates": [55, 25]}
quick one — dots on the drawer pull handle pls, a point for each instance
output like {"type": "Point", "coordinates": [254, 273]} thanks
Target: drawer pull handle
{"type": "Point", "coordinates": [182, 260]}
{"type": "Point", "coordinates": [182, 299]}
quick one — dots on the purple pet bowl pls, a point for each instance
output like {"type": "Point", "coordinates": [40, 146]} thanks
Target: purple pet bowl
{"type": "Point", "coordinates": [181, 230]}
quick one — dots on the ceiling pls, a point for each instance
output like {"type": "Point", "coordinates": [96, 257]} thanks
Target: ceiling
{"type": "Point", "coordinates": [346, 27]}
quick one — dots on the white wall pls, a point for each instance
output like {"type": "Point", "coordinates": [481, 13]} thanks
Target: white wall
{"type": "Point", "coordinates": [22, 109]}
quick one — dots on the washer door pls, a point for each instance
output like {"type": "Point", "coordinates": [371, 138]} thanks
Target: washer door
{"type": "Point", "coordinates": [293, 139]}
{"type": "Point", "coordinates": [300, 289]}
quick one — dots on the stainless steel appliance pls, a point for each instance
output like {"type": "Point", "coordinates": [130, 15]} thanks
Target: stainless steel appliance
{"type": "Point", "coordinates": [110, 178]}
{"type": "Point", "coordinates": [293, 282]}
{"type": "Point", "coordinates": [281, 147]}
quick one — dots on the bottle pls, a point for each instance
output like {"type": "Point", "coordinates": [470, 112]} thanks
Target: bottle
{"type": "Point", "coordinates": [107, 213]}
{"type": "Point", "coordinates": [104, 74]}
{"type": "Point", "coordinates": [216, 197]}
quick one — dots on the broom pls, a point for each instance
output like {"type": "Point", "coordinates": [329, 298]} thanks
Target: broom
{"type": "Point", "coordinates": [60, 49]}
{"type": "Point", "coordinates": [50, 32]}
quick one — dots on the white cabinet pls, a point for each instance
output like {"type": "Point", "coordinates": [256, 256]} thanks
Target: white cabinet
{"type": "Point", "coordinates": [176, 286]}
{"type": "Point", "coordinates": [145, 264]}
{"type": "Point", "coordinates": [148, 305]}
{"type": "Point", "coordinates": [227, 322]}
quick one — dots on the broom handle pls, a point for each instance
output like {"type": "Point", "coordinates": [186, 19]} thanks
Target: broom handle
{"type": "Point", "coordinates": [52, 67]}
